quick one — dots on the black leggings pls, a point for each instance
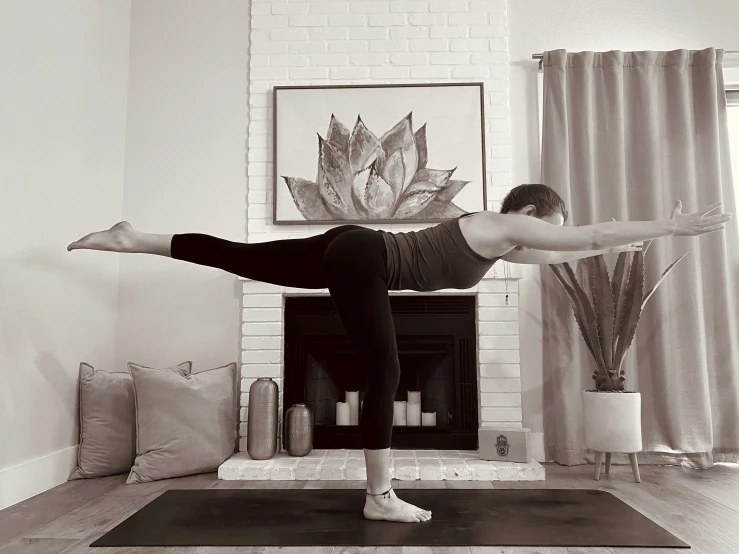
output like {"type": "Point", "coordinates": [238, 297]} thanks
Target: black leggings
{"type": "Point", "coordinates": [348, 260]}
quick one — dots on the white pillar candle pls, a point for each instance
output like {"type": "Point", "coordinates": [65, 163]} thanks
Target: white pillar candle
{"type": "Point", "coordinates": [399, 415]}
{"type": "Point", "coordinates": [413, 413]}
{"type": "Point", "coordinates": [342, 413]}
{"type": "Point", "coordinates": [414, 396]}
{"type": "Point", "coordinates": [428, 419]}
{"type": "Point", "coordinates": [352, 398]}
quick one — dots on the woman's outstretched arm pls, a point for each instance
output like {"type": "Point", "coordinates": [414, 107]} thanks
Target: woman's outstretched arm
{"type": "Point", "coordinates": [548, 257]}
{"type": "Point", "coordinates": [531, 232]}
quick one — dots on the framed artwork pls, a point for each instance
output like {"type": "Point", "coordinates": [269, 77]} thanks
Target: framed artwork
{"type": "Point", "coordinates": [378, 153]}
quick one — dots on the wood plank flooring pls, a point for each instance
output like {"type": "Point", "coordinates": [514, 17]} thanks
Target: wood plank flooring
{"type": "Point", "coordinates": [700, 507]}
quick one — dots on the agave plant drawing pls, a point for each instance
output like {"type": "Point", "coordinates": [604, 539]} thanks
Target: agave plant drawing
{"type": "Point", "coordinates": [607, 310]}
{"type": "Point", "coordinates": [362, 177]}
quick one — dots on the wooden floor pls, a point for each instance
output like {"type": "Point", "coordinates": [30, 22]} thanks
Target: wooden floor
{"type": "Point", "coordinates": [700, 507]}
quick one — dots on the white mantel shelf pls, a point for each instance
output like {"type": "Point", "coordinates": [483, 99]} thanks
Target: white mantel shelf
{"type": "Point", "coordinates": [513, 272]}
{"type": "Point", "coordinates": [405, 465]}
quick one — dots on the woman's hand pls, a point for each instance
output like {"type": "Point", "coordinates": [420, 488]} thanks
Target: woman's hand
{"type": "Point", "coordinates": [698, 223]}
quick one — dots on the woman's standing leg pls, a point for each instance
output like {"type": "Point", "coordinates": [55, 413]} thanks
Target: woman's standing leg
{"type": "Point", "coordinates": [355, 272]}
{"type": "Point", "coordinates": [290, 262]}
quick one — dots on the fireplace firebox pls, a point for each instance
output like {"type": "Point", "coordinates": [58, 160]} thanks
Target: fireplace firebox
{"type": "Point", "coordinates": [436, 338]}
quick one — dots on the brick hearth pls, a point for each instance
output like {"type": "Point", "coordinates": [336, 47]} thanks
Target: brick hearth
{"type": "Point", "coordinates": [405, 465]}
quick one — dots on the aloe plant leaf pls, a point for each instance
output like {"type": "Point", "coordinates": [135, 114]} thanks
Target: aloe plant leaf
{"type": "Point", "coordinates": [394, 172]}
{"type": "Point", "coordinates": [413, 202]}
{"type": "Point", "coordinates": [589, 319]}
{"type": "Point", "coordinates": [333, 201]}
{"type": "Point", "coordinates": [359, 188]}
{"type": "Point", "coordinates": [421, 186]}
{"type": "Point", "coordinates": [307, 198]}
{"type": "Point", "coordinates": [583, 276]}
{"type": "Point", "coordinates": [364, 148]}
{"type": "Point", "coordinates": [575, 303]}
{"type": "Point", "coordinates": [430, 179]}
{"type": "Point", "coordinates": [421, 147]}
{"type": "Point", "coordinates": [603, 306]}
{"type": "Point", "coordinates": [335, 178]}
{"type": "Point", "coordinates": [662, 278]}
{"type": "Point", "coordinates": [401, 137]}
{"type": "Point", "coordinates": [439, 177]}
{"type": "Point", "coordinates": [338, 135]}
{"type": "Point", "coordinates": [618, 284]}
{"type": "Point", "coordinates": [632, 308]}
{"type": "Point", "coordinates": [379, 197]}
{"type": "Point", "coordinates": [448, 194]}
{"type": "Point", "coordinates": [439, 210]}
{"type": "Point", "coordinates": [618, 276]}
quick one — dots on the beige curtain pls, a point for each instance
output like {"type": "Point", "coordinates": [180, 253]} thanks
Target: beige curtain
{"type": "Point", "coordinates": [625, 135]}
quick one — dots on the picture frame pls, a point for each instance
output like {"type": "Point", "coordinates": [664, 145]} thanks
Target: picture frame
{"type": "Point", "coordinates": [378, 153]}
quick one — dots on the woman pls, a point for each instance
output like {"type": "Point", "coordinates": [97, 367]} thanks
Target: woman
{"type": "Point", "coordinates": [359, 266]}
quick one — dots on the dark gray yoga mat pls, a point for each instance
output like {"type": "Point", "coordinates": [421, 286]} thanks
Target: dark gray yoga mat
{"type": "Point", "coordinates": [319, 517]}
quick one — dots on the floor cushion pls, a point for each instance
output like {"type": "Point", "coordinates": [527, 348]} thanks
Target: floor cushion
{"type": "Point", "coordinates": [185, 424]}
{"type": "Point", "coordinates": [107, 430]}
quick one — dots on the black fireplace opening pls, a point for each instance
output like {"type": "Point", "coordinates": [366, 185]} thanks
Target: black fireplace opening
{"type": "Point", "coordinates": [436, 337]}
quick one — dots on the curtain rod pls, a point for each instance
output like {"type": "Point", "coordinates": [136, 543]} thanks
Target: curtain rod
{"type": "Point", "coordinates": [541, 56]}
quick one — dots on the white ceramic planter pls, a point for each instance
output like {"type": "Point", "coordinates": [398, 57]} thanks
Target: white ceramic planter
{"type": "Point", "coordinates": [612, 421]}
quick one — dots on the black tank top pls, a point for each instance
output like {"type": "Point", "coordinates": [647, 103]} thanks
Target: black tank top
{"type": "Point", "coordinates": [434, 258]}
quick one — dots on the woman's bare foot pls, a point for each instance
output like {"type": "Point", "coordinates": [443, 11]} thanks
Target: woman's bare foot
{"type": "Point", "coordinates": [119, 238]}
{"type": "Point", "coordinates": [394, 509]}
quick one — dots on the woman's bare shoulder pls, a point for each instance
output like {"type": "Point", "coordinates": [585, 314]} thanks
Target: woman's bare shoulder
{"type": "Point", "coordinates": [483, 232]}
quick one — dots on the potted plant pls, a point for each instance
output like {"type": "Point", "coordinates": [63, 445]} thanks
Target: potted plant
{"type": "Point", "coordinates": [607, 311]}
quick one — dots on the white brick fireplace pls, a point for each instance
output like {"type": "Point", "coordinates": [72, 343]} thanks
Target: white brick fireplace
{"type": "Point", "coordinates": [378, 41]}
{"type": "Point", "coordinates": [499, 383]}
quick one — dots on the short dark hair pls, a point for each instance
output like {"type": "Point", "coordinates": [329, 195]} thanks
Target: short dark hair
{"type": "Point", "coordinates": [543, 198]}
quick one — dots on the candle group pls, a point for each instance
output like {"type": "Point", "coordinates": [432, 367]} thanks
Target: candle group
{"type": "Point", "coordinates": [404, 412]}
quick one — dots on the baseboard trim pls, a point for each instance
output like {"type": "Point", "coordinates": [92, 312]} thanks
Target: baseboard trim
{"type": "Point", "coordinates": [36, 476]}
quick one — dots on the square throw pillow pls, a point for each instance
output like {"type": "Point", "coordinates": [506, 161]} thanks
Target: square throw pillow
{"type": "Point", "coordinates": [107, 416]}
{"type": "Point", "coordinates": [185, 424]}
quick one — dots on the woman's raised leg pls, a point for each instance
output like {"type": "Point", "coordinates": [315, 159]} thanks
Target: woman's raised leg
{"type": "Point", "coordinates": [289, 262]}
{"type": "Point", "coordinates": [356, 276]}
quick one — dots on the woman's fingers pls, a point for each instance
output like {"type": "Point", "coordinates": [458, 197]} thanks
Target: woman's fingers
{"type": "Point", "coordinates": [716, 219]}
{"type": "Point", "coordinates": [707, 210]}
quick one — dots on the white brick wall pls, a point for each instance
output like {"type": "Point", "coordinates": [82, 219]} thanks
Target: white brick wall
{"type": "Point", "coordinates": [311, 42]}
{"type": "Point", "coordinates": [350, 42]}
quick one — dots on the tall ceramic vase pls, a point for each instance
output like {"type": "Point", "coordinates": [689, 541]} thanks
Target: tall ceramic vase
{"type": "Point", "coordinates": [298, 430]}
{"type": "Point", "coordinates": [261, 432]}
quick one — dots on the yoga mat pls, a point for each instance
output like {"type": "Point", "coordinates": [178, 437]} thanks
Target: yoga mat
{"type": "Point", "coordinates": [319, 517]}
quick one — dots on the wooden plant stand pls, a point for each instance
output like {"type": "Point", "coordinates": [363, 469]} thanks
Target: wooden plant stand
{"type": "Point", "coordinates": [599, 460]}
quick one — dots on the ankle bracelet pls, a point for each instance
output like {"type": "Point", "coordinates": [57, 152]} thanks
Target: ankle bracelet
{"type": "Point", "coordinates": [380, 494]}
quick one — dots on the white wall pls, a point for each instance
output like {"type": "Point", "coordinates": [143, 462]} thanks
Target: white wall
{"type": "Point", "coordinates": [185, 172]}
{"type": "Point", "coordinates": [62, 125]}
{"type": "Point", "coordinates": [576, 25]}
